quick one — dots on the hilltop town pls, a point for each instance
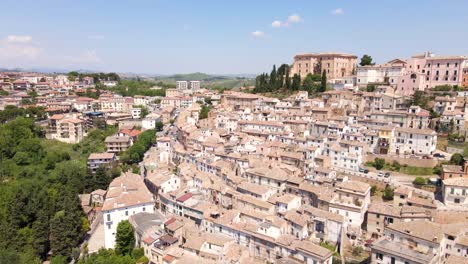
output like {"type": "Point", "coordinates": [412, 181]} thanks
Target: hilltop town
{"type": "Point", "coordinates": [364, 165]}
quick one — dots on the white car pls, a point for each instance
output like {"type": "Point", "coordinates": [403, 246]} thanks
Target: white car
{"type": "Point", "coordinates": [380, 174]}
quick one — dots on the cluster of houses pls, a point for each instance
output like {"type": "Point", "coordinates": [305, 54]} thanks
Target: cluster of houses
{"type": "Point", "coordinates": [261, 180]}
{"type": "Point", "coordinates": [273, 180]}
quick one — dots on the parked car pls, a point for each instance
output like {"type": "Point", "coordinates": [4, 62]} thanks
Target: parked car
{"type": "Point", "coordinates": [427, 157]}
{"type": "Point", "coordinates": [380, 174]}
{"type": "Point", "coordinates": [363, 170]}
{"type": "Point", "coordinates": [438, 155]}
{"type": "Point", "coordinates": [387, 174]}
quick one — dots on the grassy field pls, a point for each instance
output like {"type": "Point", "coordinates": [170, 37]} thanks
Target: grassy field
{"type": "Point", "coordinates": [442, 143]}
{"type": "Point", "coordinates": [416, 171]}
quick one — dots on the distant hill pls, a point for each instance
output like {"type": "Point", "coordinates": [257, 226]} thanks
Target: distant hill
{"type": "Point", "coordinates": [208, 80]}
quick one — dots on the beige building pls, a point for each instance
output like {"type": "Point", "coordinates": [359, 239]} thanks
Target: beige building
{"type": "Point", "coordinates": [336, 65]}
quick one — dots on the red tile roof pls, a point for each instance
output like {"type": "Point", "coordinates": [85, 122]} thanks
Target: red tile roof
{"type": "Point", "coordinates": [184, 197]}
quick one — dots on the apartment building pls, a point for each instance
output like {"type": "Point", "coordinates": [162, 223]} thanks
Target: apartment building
{"type": "Point", "coordinates": [117, 144]}
{"type": "Point", "coordinates": [454, 171]}
{"type": "Point", "coordinates": [455, 191]}
{"type": "Point", "coordinates": [351, 200]}
{"type": "Point", "coordinates": [380, 215]}
{"type": "Point", "coordinates": [413, 141]}
{"type": "Point", "coordinates": [427, 70]}
{"type": "Point", "coordinates": [66, 128]}
{"type": "Point", "coordinates": [336, 65]}
{"type": "Point", "coordinates": [419, 242]}
{"type": "Point", "coordinates": [388, 73]}
{"type": "Point", "coordinates": [96, 160]}
{"type": "Point", "coordinates": [127, 195]}
{"type": "Point", "coordinates": [465, 77]}
{"type": "Point", "coordinates": [181, 85]}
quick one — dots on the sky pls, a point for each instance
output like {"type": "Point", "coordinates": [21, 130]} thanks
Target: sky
{"type": "Point", "coordinates": [221, 36]}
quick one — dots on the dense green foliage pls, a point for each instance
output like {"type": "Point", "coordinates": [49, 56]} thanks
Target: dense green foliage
{"type": "Point", "coordinates": [379, 163]}
{"type": "Point", "coordinates": [388, 193]}
{"type": "Point", "coordinates": [279, 80]}
{"type": "Point", "coordinates": [204, 111]}
{"type": "Point", "coordinates": [107, 256]}
{"type": "Point", "coordinates": [124, 239]}
{"type": "Point", "coordinates": [457, 159]}
{"type": "Point", "coordinates": [419, 181]}
{"type": "Point", "coordinates": [138, 87]}
{"type": "Point", "coordinates": [39, 208]}
{"type": "Point", "coordinates": [137, 151]}
{"type": "Point", "coordinates": [366, 60]}
{"type": "Point", "coordinates": [446, 88]}
{"type": "Point", "coordinates": [40, 179]}
{"type": "Point", "coordinates": [159, 126]}
{"type": "Point", "coordinates": [97, 77]}
{"type": "Point", "coordinates": [12, 112]}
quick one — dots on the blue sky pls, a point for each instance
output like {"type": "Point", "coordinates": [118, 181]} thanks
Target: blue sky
{"type": "Point", "coordinates": [221, 36]}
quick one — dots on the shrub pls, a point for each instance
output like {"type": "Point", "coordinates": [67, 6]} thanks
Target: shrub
{"type": "Point", "coordinates": [379, 163]}
{"type": "Point", "coordinates": [388, 193]}
{"type": "Point", "coordinates": [419, 181]}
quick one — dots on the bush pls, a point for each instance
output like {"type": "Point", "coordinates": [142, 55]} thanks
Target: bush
{"type": "Point", "coordinates": [457, 159]}
{"type": "Point", "coordinates": [373, 190]}
{"type": "Point", "coordinates": [419, 181]}
{"type": "Point", "coordinates": [388, 193]}
{"type": "Point", "coordinates": [396, 165]}
{"type": "Point", "coordinates": [379, 163]}
{"type": "Point", "coordinates": [357, 251]}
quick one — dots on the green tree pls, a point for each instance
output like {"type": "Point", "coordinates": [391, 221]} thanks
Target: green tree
{"type": "Point", "coordinates": [388, 193]}
{"type": "Point", "coordinates": [457, 159]}
{"type": "Point", "coordinates": [204, 111]}
{"type": "Point", "coordinates": [323, 83]}
{"type": "Point", "coordinates": [370, 88]}
{"type": "Point", "coordinates": [296, 82]}
{"type": "Point", "coordinates": [420, 99]}
{"type": "Point", "coordinates": [273, 78]}
{"type": "Point", "coordinates": [159, 126]}
{"type": "Point", "coordinates": [309, 83]}
{"type": "Point", "coordinates": [125, 238]}
{"type": "Point", "coordinates": [419, 181]}
{"type": "Point", "coordinates": [379, 163]}
{"type": "Point", "coordinates": [366, 60]}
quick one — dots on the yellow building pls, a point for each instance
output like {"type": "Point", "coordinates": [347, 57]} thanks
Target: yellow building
{"type": "Point", "coordinates": [336, 65]}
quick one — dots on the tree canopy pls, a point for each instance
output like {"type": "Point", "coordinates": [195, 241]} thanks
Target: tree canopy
{"type": "Point", "coordinates": [124, 239]}
{"type": "Point", "coordinates": [366, 60]}
{"type": "Point", "coordinates": [40, 211]}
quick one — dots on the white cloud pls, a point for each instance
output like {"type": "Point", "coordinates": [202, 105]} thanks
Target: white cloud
{"type": "Point", "coordinates": [96, 37]}
{"type": "Point", "coordinates": [338, 11]}
{"type": "Point", "coordinates": [258, 34]}
{"type": "Point", "coordinates": [18, 39]}
{"type": "Point", "coordinates": [18, 48]}
{"type": "Point", "coordinates": [88, 56]}
{"type": "Point", "coordinates": [294, 18]}
{"type": "Point", "coordinates": [277, 24]}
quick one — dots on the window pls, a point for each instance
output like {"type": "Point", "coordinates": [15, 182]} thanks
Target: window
{"type": "Point", "coordinates": [379, 256]}
{"type": "Point", "coordinates": [144, 209]}
{"type": "Point", "coordinates": [126, 213]}
{"type": "Point", "coordinates": [108, 217]}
